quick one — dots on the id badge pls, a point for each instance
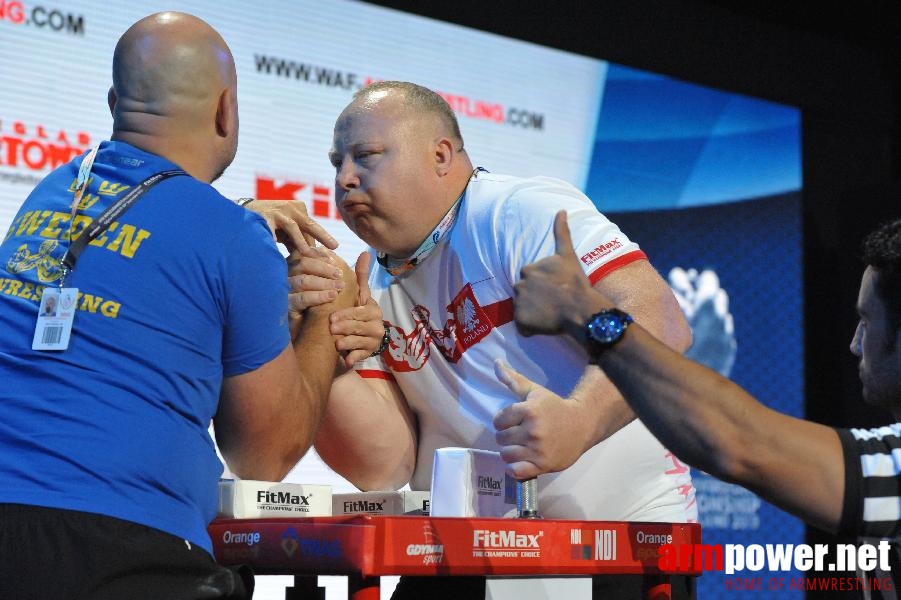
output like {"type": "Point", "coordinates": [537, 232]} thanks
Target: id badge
{"type": "Point", "coordinates": [55, 317]}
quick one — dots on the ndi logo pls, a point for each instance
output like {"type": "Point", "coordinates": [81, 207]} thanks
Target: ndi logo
{"type": "Point", "coordinates": [596, 544]}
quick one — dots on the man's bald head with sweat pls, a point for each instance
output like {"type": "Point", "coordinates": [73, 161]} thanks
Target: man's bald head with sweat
{"type": "Point", "coordinates": [174, 93]}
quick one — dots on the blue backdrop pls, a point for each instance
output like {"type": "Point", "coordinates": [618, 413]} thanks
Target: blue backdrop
{"type": "Point", "coordinates": [709, 183]}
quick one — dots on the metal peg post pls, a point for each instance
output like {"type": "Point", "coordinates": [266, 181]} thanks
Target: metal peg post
{"type": "Point", "coordinates": [527, 499]}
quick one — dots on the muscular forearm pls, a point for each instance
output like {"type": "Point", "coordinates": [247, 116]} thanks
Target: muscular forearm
{"type": "Point", "coordinates": [713, 424]}
{"type": "Point", "coordinates": [698, 414]}
{"type": "Point", "coordinates": [695, 412]}
{"type": "Point", "coordinates": [366, 436]}
{"type": "Point", "coordinates": [603, 408]}
{"type": "Point", "coordinates": [266, 419]}
{"type": "Point", "coordinates": [317, 362]}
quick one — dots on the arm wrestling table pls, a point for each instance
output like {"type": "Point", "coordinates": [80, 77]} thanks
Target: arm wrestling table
{"type": "Point", "coordinates": [365, 547]}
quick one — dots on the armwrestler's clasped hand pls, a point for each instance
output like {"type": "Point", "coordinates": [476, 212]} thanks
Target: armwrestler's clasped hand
{"type": "Point", "coordinates": [317, 276]}
{"type": "Point", "coordinates": [359, 330]}
{"type": "Point", "coordinates": [291, 224]}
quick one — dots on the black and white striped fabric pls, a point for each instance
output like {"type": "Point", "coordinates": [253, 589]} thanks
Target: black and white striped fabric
{"type": "Point", "coordinates": [872, 504]}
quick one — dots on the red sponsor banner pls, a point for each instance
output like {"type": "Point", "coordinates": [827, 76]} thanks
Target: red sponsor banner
{"type": "Point", "coordinates": [414, 545]}
{"type": "Point", "coordinates": [39, 148]}
{"type": "Point", "coordinates": [320, 198]}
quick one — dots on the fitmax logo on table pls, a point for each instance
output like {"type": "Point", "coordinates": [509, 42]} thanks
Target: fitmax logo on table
{"type": "Point", "coordinates": [364, 506]}
{"type": "Point", "coordinates": [281, 500]}
{"type": "Point", "coordinates": [489, 486]}
{"type": "Point", "coordinates": [506, 544]}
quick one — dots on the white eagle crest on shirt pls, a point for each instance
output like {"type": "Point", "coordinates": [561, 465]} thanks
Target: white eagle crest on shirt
{"type": "Point", "coordinates": [466, 314]}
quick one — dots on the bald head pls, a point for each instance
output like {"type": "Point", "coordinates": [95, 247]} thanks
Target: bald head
{"type": "Point", "coordinates": [416, 101]}
{"type": "Point", "coordinates": [170, 72]}
{"type": "Point", "coordinates": [399, 165]}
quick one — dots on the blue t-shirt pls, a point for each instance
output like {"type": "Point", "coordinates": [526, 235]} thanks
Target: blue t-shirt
{"type": "Point", "coordinates": [182, 289]}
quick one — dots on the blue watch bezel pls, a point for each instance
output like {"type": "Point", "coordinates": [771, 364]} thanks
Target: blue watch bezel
{"type": "Point", "coordinates": [606, 328]}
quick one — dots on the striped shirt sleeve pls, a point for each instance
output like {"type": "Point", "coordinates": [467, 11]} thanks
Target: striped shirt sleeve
{"type": "Point", "coordinates": [872, 503]}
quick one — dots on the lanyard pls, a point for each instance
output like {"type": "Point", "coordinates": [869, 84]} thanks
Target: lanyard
{"type": "Point", "coordinates": [113, 212]}
{"type": "Point", "coordinates": [396, 266]}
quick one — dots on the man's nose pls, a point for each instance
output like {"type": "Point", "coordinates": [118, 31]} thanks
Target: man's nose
{"type": "Point", "coordinates": [346, 178]}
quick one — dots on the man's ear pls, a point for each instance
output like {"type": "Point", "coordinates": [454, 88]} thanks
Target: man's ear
{"type": "Point", "coordinates": [445, 153]}
{"type": "Point", "coordinates": [111, 99]}
{"type": "Point", "coordinates": [226, 113]}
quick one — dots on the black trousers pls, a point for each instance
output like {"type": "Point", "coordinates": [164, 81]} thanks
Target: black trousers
{"type": "Point", "coordinates": [608, 587]}
{"type": "Point", "coordinates": [52, 554]}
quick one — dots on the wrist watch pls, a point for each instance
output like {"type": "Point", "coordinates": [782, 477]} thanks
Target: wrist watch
{"type": "Point", "coordinates": [605, 328]}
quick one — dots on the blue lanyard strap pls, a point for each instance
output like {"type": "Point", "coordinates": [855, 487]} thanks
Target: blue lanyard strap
{"type": "Point", "coordinates": [396, 266]}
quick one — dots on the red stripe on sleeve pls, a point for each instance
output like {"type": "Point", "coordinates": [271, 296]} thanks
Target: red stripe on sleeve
{"type": "Point", "coordinates": [375, 374]}
{"type": "Point", "coordinates": [617, 263]}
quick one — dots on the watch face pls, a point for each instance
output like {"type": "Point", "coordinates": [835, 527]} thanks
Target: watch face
{"type": "Point", "coordinates": [607, 327]}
